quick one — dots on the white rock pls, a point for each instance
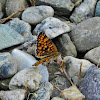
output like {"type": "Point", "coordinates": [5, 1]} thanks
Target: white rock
{"type": "Point", "coordinates": [57, 98]}
{"type": "Point", "coordinates": [30, 76]}
{"type": "Point", "coordinates": [73, 67]}
{"type": "Point", "coordinates": [52, 27]}
{"type": "Point", "coordinates": [36, 14]}
{"type": "Point", "coordinates": [24, 60]}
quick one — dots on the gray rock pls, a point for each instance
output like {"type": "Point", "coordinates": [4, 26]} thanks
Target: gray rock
{"type": "Point", "coordinates": [21, 27]}
{"type": "Point", "coordinates": [97, 10]}
{"type": "Point", "coordinates": [24, 60]}
{"type": "Point", "coordinates": [13, 6]}
{"type": "Point", "coordinates": [77, 2]}
{"type": "Point", "coordinates": [84, 11]}
{"type": "Point", "coordinates": [52, 27]}
{"type": "Point", "coordinates": [93, 55]}
{"type": "Point", "coordinates": [18, 94]}
{"type": "Point", "coordinates": [61, 82]}
{"type": "Point", "coordinates": [44, 92]}
{"type": "Point", "coordinates": [30, 76]}
{"type": "Point", "coordinates": [35, 15]}
{"type": "Point", "coordinates": [8, 65]}
{"type": "Point", "coordinates": [9, 37]}
{"type": "Point", "coordinates": [3, 3]}
{"type": "Point", "coordinates": [1, 13]}
{"type": "Point", "coordinates": [90, 85]}
{"type": "Point", "coordinates": [63, 7]}
{"type": "Point", "coordinates": [57, 98]}
{"type": "Point", "coordinates": [86, 34]}
{"type": "Point", "coordinates": [73, 67]}
{"type": "Point", "coordinates": [65, 45]}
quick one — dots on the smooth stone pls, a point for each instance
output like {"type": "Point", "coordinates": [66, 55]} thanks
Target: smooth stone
{"type": "Point", "coordinates": [83, 11]}
{"type": "Point", "coordinates": [30, 76]}
{"type": "Point", "coordinates": [97, 10]}
{"type": "Point", "coordinates": [44, 92]}
{"type": "Point", "coordinates": [9, 37]}
{"type": "Point", "coordinates": [93, 55]}
{"type": "Point", "coordinates": [24, 60]}
{"type": "Point", "coordinates": [86, 34]}
{"type": "Point", "coordinates": [63, 7]}
{"type": "Point", "coordinates": [35, 15]}
{"type": "Point", "coordinates": [65, 46]}
{"type": "Point", "coordinates": [21, 27]}
{"type": "Point", "coordinates": [52, 27]}
{"type": "Point", "coordinates": [4, 84]}
{"type": "Point", "coordinates": [90, 85]}
{"type": "Point", "coordinates": [13, 6]}
{"type": "Point", "coordinates": [61, 83]}
{"type": "Point", "coordinates": [8, 65]}
{"type": "Point", "coordinates": [18, 94]}
{"type": "Point", "coordinates": [73, 67]}
{"type": "Point", "coordinates": [57, 98]}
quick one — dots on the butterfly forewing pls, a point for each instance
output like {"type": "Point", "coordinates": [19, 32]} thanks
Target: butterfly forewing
{"type": "Point", "coordinates": [45, 46]}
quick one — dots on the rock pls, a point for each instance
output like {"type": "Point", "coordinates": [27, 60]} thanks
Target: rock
{"type": "Point", "coordinates": [61, 82]}
{"type": "Point", "coordinates": [52, 27]}
{"type": "Point", "coordinates": [4, 84]}
{"type": "Point", "coordinates": [8, 65]}
{"type": "Point", "coordinates": [35, 15]}
{"type": "Point", "coordinates": [73, 67]}
{"type": "Point", "coordinates": [9, 37]}
{"type": "Point", "coordinates": [13, 6]}
{"type": "Point", "coordinates": [30, 76]}
{"type": "Point", "coordinates": [90, 85]}
{"type": "Point", "coordinates": [21, 27]}
{"type": "Point", "coordinates": [65, 46]}
{"type": "Point", "coordinates": [63, 7]}
{"type": "Point", "coordinates": [1, 13]}
{"type": "Point", "coordinates": [24, 60]}
{"type": "Point", "coordinates": [86, 34]}
{"type": "Point", "coordinates": [18, 94]}
{"type": "Point", "coordinates": [97, 10]}
{"type": "Point", "coordinates": [93, 55]}
{"type": "Point", "coordinates": [44, 92]}
{"type": "Point", "coordinates": [84, 11]}
{"type": "Point", "coordinates": [77, 2]}
{"type": "Point", "coordinates": [3, 2]}
{"type": "Point", "coordinates": [57, 98]}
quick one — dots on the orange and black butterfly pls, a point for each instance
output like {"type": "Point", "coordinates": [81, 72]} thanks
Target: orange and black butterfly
{"type": "Point", "coordinates": [45, 49]}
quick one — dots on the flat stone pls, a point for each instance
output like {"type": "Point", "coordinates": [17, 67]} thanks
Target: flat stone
{"type": "Point", "coordinates": [90, 85]}
{"type": "Point", "coordinates": [57, 98]}
{"type": "Point", "coordinates": [83, 11]}
{"type": "Point", "coordinates": [86, 34]}
{"type": "Point", "coordinates": [52, 27]}
{"type": "Point", "coordinates": [9, 37]}
{"type": "Point", "coordinates": [63, 7]}
{"type": "Point", "coordinates": [35, 15]}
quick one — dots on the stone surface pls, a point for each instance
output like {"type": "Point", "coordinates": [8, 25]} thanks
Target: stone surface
{"type": "Point", "coordinates": [44, 92]}
{"type": "Point", "coordinates": [24, 60]}
{"type": "Point", "coordinates": [35, 15]}
{"type": "Point", "coordinates": [83, 11]}
{"type": "Point", "coordinates": [73, 67]}
{"type": "Point", "coordinates": [18, 94]}
{"type": "Point", "coordinates": [90, 85]}
{"type": "Point", "coordinates": [97, 10]}
{"type": "Point", "coordinates": [3, 2]}
{"type": "Point", "coordinates": [65, 46]}
{"type": "Point", "coordinates": [9, 37]}
{"type": "Point", "coordinates": [57, 98]}
{"type": "Point", "coordinates": [13, 6]}
{"type": "Point", "coordinates": [61, 82]}
{"type": "Point", "coordinates": [1, 13]}
{"type": "Point", "coordinates": [93, 55]}
{"type": "Point", "coordinates": [30, 76]}
{"type": "Point", "coordinates": [8, 65]}
{"type": "Point", "coordinates": [77, 2]}
{"type": "Point", "coordinates": [63, 7]}
{"type": "Point", "coordinates": [86, 34]}
{"type": "Point", "coordinates": [52, 27]}
{"type": "Point", "coordinates": [21, 27]}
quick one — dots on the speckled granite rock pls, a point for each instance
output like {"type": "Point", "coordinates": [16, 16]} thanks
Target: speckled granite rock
{"type": "Point", "coordinates": [90, 85]}
{"type": "Point", "coordinates": [9, 37]}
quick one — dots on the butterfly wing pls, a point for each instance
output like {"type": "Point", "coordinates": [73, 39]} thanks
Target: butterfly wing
{"type": "Point", "coordinates": [45, 46]}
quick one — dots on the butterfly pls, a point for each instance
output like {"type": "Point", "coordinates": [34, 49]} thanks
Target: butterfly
{"type": "Point", "coordinates": [46, 49]}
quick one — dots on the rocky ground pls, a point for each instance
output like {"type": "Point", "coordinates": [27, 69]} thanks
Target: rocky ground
{"type": "Point", "coordinates": [73, 26]}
